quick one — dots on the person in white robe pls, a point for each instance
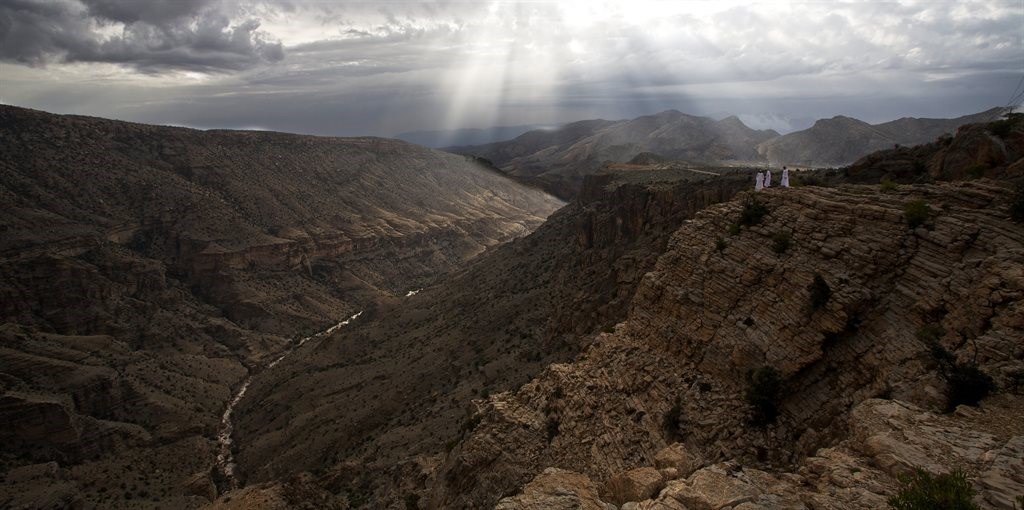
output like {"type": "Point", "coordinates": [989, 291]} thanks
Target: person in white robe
{"type": "Point", "coordinates": [767, 178]}
{"type": "Point", "coordinates": [785, 177]}
{"type": "Point", "coordinates": [759, 181]}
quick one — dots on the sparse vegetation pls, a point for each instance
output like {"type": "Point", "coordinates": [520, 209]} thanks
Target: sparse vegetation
{"type": "Point", "coordinates": [1008, 123]}
{"type": "Point", "coordinates": [753, 212]}
{"type": "Point", "coordinates": [923, 491]}
{"type": "Point", "coordinates": [734, 229]}
{"type": "Point", "coordinates": [1017, 203]}
{"type": "Point", "coordinates": [552, 427]}
{"type": "Point", "coordinates": [720, 244]}
{"type": "Point", "coordinates": [966, 383]}
{"type": "Point", "coordinates": [780, 242]}
{"type": "Point", "coordinates": [412, 501]}
{"type": "Point", "coordinates": [1015, 381]}
{"type": "Point", "coordinates": [888, 186]}
{"type": "Point", "coordinates": [918, 213]}
{"type": "Point", "coordinates": [762, 394]}
{"type": "Point", "coordinates": [806, 179]}
{"type": "Point", "coordinates": [976, 171]}
{"type": "Point", "coordinates": [820, 292]}
{"type": "Point", "coordinates": [673, 421]}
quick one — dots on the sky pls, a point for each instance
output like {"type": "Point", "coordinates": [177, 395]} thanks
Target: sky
{"type": "Point", "coordinates": [381, 68]}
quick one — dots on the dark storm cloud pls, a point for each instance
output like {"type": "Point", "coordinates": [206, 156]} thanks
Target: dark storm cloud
{"type": "Point", "coordinates": [387, 66]}
{"type": "Point", "coordinates": [150, 36]}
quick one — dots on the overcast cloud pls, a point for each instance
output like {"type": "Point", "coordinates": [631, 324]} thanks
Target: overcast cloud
{"type": "Point", "coordinates": [381, 68]}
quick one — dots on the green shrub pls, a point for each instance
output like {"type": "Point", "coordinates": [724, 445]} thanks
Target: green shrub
{"type": "Point", "coordinates": [720, 244]}
{"type": "Point", "coordinates": [412, 501]}
{"type": "Point", "coordinates": [552, 427]}
{"type": "Point", "coordinates": [888, 186]}
{"type": "Point", "coordinates": [922, 491]}
{"type": "Point", "coordinates": [734, 229]}
{"type": "Point", "coordinates": [673, 421]}
{"type": "Point", "coordinates": [806, 179]}
{"type": "Point", "coordinates": [1015, 381]}
{"type": "Point", "coordinates": [917, 213]}
{"type": "Point", "coordinates": [820, 292]}
{"type": "Point", "coordinates": [780, 242]}
{"type": "Point", "coordinates": [1003, 127]}
{"type": "Point", "coordinates": [976, 171]}
{"type": "Point", "coordinates": [966, 383]}
{"type": "Point", "coordinates": [762, 394]}
{"type": "Point", "coordinates": [1017, 203]}
{"type": "Point", "coordinates": [753, 212]}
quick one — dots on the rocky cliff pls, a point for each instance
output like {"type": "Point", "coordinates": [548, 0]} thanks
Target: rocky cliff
{"type": "Point", "coordinates": [373, 409]}
{"type": "Point", "coordinates": [145, 270]}
{"type": "Point", "coordinates": [654, 413]}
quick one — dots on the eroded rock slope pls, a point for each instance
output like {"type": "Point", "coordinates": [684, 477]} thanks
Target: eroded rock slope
{"type": "Point", "coordinates": [717, 305]}
{"type": "Point", "coordinates": [144, 270]}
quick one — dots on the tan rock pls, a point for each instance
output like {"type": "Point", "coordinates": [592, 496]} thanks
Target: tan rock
{"type": "Point", "coordinates": [679, 457]}
{"type": "Point", "coordinates": [710, 489]}
{"type": "Point", "coordinates": [633, 485]}
{"type": "Point", "coordinates": [557, 489]}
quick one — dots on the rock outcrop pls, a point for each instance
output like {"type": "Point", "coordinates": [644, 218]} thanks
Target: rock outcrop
{"type": "Point", "coordinates": [718, 305]}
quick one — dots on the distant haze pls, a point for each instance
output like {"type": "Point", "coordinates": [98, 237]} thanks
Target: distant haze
{"type": "Point", "coordinates": [390, 67]}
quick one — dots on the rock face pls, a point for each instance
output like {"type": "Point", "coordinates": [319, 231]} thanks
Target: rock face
{"type": "Point", "coordinates": [718, 304]}
{"type": "Point", "coordinates": [558, 160]}
{"type": "Point", "coordinates": [145, 268]}
{"type": "Point", "coordinates": [842, 140]}
{"type": "Point", "coordinates": [993, 150]}
{"type": "Point", "coordinates": [399, 382]}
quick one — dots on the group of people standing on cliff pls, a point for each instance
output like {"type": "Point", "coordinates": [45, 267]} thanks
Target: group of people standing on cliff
{"type": "Point", "coordinates": [764, 179]}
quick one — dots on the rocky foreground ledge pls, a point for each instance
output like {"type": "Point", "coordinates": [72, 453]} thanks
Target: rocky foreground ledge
{"type": "Point", "coordinates": [653, 415]}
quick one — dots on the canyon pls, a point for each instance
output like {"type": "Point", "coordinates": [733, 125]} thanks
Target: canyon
{"type": "Point", "coordinates": [171, 296]}
{"type": "Point", "coordinates": [148, 270]}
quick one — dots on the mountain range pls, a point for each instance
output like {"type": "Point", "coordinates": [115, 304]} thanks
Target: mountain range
{"type": "Point", "coordinates": [232, 319]}
{"type": "Point", "coordinates": [557, 160]}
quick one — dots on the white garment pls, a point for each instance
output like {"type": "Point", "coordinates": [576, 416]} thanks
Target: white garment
{"type": "Point", "coordinates": [759, 181]}
{"type": "Point", "coordinates": [768, 179]}
{"type": "Point", "coordinates": [785, 177]}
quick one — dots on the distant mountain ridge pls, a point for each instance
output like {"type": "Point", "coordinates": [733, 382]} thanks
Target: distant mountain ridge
{"type": "Point", "coordinates": [557, 160]}
{"type": "Point", "coordinates": [465, 136]}
{"type": "Point", "coordinates": [842, 140]}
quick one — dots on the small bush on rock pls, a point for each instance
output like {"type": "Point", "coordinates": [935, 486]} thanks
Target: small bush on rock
{"type": "Point", "coordinates": [673, 421]}
{"type": "Point", "coordinates": [763, 387]}
{"type": "Point", "coordinates": [753, 212]}
{"type": "Point", "coordinates": [1017, 204]}
{"type": "Point", "coordinates": [923, 491]}
{"type": "Point", "coordinates": [552, 427]}
{"type": "Point", "coordinates": [888, 186]}
{"type": "Point", "coordinates": [780, 242]}
{"type": "Point", "coordinates": [917, 213]}
{"type": "Point", "coordinates": [966, 383]}
{"type": "Point", "coordinates": [820, 292]}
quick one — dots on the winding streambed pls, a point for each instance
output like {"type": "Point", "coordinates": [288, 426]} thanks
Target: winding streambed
{"type": "Point", "coordinates": [226, 459]}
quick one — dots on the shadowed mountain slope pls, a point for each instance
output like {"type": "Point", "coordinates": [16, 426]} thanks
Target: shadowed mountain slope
{"type": "Point", "coordinates": [144, 269]}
